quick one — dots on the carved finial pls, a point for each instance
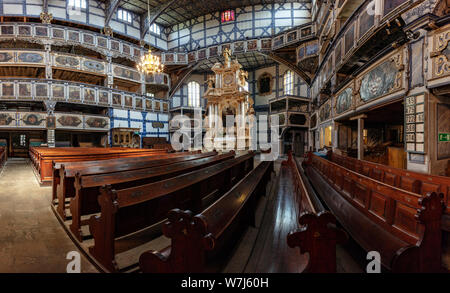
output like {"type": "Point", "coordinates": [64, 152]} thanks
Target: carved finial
{"type": "Point", "coordinates": [107, 30]}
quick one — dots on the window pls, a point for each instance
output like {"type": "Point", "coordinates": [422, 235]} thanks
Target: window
{"type": "Point", "coordinates": [124, 15]}
{"type": "Point", "coordinates": [77, 4]}
{"type": "Point", "coordinates": [288, 81]}
{"type": "Point", "coordinates": [193, 94]}
{"type": "Point", "coordinates": [228, 16]}
{"type": "Point", "coordinates": [155, 29]}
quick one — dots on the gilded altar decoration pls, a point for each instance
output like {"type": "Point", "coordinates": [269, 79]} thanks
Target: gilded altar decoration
{"type": "Point", "coordinates": [230, 109]}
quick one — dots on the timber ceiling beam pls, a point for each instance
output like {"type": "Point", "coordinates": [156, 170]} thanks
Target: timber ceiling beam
{"type": "Point", "coordinates": [303, 74]}
{"type": "Point", "coordinates": [45, 6]}
{"type": "Point", "coordinates": [182, 74]}
{"type": "Point", "coordinates": [110, 9]}
{"type": "Point", "coordinates": [147, 24]}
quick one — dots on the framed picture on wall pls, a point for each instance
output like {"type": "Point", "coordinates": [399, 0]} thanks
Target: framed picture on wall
{"type": "Point", "coordinates": [51, 122]}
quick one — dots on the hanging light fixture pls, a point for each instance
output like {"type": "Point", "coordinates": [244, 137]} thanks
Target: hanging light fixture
{"type": "Point", "coordinates": [150, 63]}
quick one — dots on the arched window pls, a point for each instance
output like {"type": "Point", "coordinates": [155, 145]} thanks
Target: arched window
{"type": "Point", "coordinates": [288, 81]}
{"type": "Point", "coordinates": [193, 94]}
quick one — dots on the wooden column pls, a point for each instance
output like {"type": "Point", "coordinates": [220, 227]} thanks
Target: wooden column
{"type": "Point", "coordinates": [360, 138]}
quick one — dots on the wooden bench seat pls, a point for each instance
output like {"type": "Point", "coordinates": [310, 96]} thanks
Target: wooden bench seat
{"type": "Point", "coordinates": [404, 179]}
{"type": "Point", "coordinates": [44, 157]}
{"type": "Point", "coordinates": [64, 172]}
{"type": "Point", "coordinates": [198, 241]}
{"type": "Point", "coordinates": [404, 227]}
{"type": "Point", "coordinates": [129, 210]}
{"type": "Point", "coordinates": [87, 187]}
{"type": "Point", "coordinates": [317, 234]}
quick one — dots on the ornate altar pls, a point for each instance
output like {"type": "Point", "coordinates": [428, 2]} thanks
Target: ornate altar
{"type": "Point", "coordinates": [125, 137]}
{"type": "Point", "coordinates": [230, 109]}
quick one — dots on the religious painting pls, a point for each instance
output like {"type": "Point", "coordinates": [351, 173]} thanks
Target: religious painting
{"type": "Point", "coordinates": [252, 45]}
{"type": "Point", "coordinates": [169, 57]}
{"type": "Point", "coordinates": [379, 81]}
{"type": "Point", "coordinates": [8, 90]}
{"type": "Point", "coordinates": [6, 119]}
{"type": "Point", "coordinates": [281, 119]}
{"type": "Point", "coordinates": [137, 52]}
{"type": "Point", "coordinates": [89, 95]}
{"type": "Point", "coordinates": [58, 33]}
{"type": "Point", "coordinates": [266, 44]}
{"type": "Point", "coordinates": [74, 36]}
{"type": "Point", "coordinates": [51, 122]}
{"type": "Point", "coordinates": [165, 107]}
{"type": "Point", "coordinates": [88, 39]}
{"type": "Point", "coordinates": [157, 106]}
{"type": "Point", "coordinates": [24, 30]}
{"type": "Point", "coordinates": [7, 30]}
{"type": "Point", "coordinates": [182, 57]}
{"type": "Point", "coordinates": [33, 119]}
{"type": "Point", "coordinates": [344, 100]}
{"type": "Point", "coordinates": [103, 97]}
{"type": "Point", "coordinates": [159, 78]}
{"type": "Point", "coordinates": [69, 121]}
{"type": "Point", "coordinates": [58, 91]}
{"type": "Point", "coordinates": [300, 53]}
{"type": "Point", "coordinates": [126, 49]}
{"type": "Point", "coordinates": [213, 51]}
{"type": "Point", "coordinates": [349, 38]}
{"type": "Point", "coordinates": [102, 42]}
{"type": "Point", "coordinates": [312, 48]}
{"type": "Point", "coordinates": [291, 37]}
{"type": "Point", "coordinates": [24, 90]}
{"type": "Point", "coordinates": [148, 105]}
{"type": "Point", "coordinates": [325, 112]}
{"type": "Point", "coordinates": [278, 41]}
{"type": "Point", "coordinates": [94, 66]}
{"type": "Point", "coordinates": [41, 90]}
{"type": "Point", "coordinates": [74, 93]}
{"type": "Point", "coordinates": [41, 31]}
{"type": "Point", "coordinates": [126, 73]}
{"type": "Point", "coordinates": [30, 57]}
{"type": "Point", "coordinates": [6, 57]}
{"type": "Point", "coordinates": [67, 61]}
{"type": "Point", "coordinates": [202, 54]}
{"type": "Point", "coordinates": [115, 45]}
{"type": "Point", "coordinates": [265, 84]}
{"type": "Point", "coordinates": [138, 102]}
{"type": "Point", "coordinates": [96, 122]}
{"type": "Point", "coordinates": [157, 125]}
{"type": "Point", "coordinates": [116, 99]}
{"type": "Point", "coordinates": [367, 19]}
{"type": "Point", "coordinates": [390, 5]}
{"type": "Point", "coordinates": [239, 47]}
{"type": "Point", "coordinates": [305, 32]}
{"type": "Point", "coordinates": [128, 101]}
{"type": "Point", "coordinates": [441, 47]}
{"type": "Point", "coordinates": [191, 56]}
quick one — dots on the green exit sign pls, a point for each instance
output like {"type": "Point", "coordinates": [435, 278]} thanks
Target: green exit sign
{"type": "Point", "coordinates": [444, 136]}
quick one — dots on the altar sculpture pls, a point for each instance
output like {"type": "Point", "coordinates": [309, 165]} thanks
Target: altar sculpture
{"type": "Point", "coordinates": [230, 118]}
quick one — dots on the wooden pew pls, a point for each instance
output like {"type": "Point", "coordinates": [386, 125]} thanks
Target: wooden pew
{"type": "Point", "coordinates": [404, 227]}
{"type": "Point", "coordinates": [3, 156]}
{"type": "Point", "coordinates": [87, 187]}
{"type": "Point", "coordinates": [404, 179]}
{"type": "Point", "coordinates": [317, 233]}
{"type": "Point", "coordinates": [198, 241]}
{"type": "Point", "coordinates": [129, 210]}
{"type": "Point", "coordinates": [44, 157]}
{"type": "Point", "coordinates": [64, 172]}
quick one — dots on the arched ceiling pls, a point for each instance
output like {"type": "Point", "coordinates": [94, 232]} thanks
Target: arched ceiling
{"type": "Point", "coordinates": [183, 10]}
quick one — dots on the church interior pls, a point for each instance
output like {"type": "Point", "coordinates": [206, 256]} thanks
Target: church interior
{"type": "Point", "coordinates": [213, 136]}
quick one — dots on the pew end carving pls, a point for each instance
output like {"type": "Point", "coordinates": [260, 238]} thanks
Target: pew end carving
{"type": "Point", "coordinates": [318, 236]}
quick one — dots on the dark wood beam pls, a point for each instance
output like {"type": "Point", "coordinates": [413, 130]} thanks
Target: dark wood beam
{"type": "Point", "coordinates": [303, 74]}
{"type": "Point", "coordinates": [45, 6]}
{"type": "Point", "coordinates": [111, 7]}
{"type": "Point", "coordinates": [147, 24]}
{"type": "Point", "coordinates": [183, 74]}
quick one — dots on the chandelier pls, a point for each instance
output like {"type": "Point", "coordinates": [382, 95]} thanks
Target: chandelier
{"type": "Point", "coordinates": [150, 63]}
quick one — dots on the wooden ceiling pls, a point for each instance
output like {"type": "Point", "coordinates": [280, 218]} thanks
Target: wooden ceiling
{"type": "Point", "coordinates": [183, 10]}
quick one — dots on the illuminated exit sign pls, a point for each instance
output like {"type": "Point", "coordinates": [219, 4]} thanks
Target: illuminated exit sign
{"type": "Point", "coordinates": [444, 136]}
